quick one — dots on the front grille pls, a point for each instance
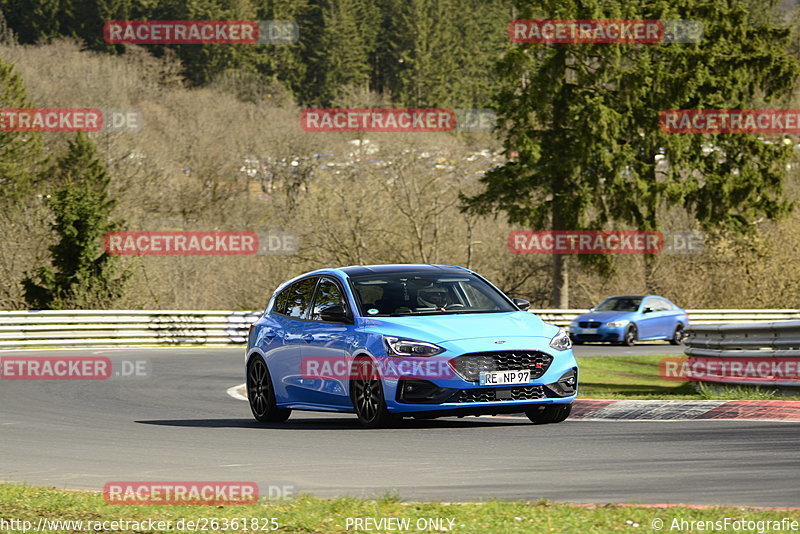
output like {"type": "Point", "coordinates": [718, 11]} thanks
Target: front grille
{"type": "Point", "coordinates": [589, 324]}
{"type": "Point", "coordinates": [499, 394]}
{"type": "Point", "coordinates": [469, 366]}
{"type": "Point", "coordinates": [590, 337]}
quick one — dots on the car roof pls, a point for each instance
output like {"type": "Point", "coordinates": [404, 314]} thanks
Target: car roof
{"type": "Point", "coordinates": [638, 297]}
{"type": "Point", "coordinates": [361, 270]}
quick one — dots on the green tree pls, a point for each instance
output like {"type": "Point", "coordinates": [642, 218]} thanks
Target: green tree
{"type": "Point", "coordinates": [21, 153]}
{"type": "Point", "coordinates": [349, 34]}
{"type": "Point", "coordinates": [82, 275]}
{"type": "Point", "coordinates": [437, 56]}
{"type": "Point", "coordinates": [203, 63]}
{"type": "Point", "coordinates": [428, 55]}
{"type": "Point", "coordinates": [35, 20]}
{"type": "Point", "coordinates": [726, 181]}
{"type": "Point", "coordinates": [584, 121]}
{"type": "Point", "coordinates": [43, 20]}
{"type": "Point", "coordinates": [288, 63]}
{"type": "Point", "coordinates": [85, 20]}
{"type": "Point", "coordinates": [482, 37]}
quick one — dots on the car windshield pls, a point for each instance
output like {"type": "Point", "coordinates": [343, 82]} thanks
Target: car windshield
{"type": "Point", "coordinates": [424, 293]}
{"type": "Point", "coordinates": [619, 304]}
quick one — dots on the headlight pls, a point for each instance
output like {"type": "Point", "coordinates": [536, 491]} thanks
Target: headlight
{"type": "Point", "coordinates": [561, 341]}
{"type": "Point", "coordinates": [409, 347]}
{"type": "Point", "coordinates": [617, 324]}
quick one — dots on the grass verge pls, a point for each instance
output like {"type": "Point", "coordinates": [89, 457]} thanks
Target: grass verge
{"type": "Point", "coordinates": [637, 377]}
{"type": "Point", "coordinates": [312, 515]}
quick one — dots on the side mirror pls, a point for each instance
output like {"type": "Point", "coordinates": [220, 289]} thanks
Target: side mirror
{"type": "Point", "coordinates": [522, 304]}
{"type": "Point", "coordinates": [335, 314]}
{"type": "Point", "coordinates": [647, 310]}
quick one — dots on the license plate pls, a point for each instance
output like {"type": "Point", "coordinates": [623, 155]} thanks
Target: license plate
{"type": "Point", "coordinates": [503, 378]}
{"type": "Point", "coordinates": [589, 331]}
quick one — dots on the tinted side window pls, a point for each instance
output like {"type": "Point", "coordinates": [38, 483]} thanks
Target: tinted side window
{"type": "Point", "coordinates": [663, 305]}
{"type": "Point", "coordinates": [281, 300]}
{"type": "Point", "coordinates": [299, 297]}
{"type": "Point", "coordinates": [328, 294]}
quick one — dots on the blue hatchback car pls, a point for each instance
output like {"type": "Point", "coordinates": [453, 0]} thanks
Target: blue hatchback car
{"type": "Point", "coordinates": [389, 341]}
{"type": "Point", "coordinates": [626, 319]}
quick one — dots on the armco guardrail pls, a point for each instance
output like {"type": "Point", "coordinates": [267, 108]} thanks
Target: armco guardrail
{"type": "Point", "coordinates": [750, 353]}
{"type": "Point", "coordinates": [119, 328]}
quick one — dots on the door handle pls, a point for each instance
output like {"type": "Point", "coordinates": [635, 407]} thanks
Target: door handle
{"type": "Point", "coordinates": [308, 338]}
{"type": "Point", "coordinates": [270, 333]}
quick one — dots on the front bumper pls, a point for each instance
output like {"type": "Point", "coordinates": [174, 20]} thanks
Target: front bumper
{"type": "Point", "coordinates": [426, 392]}
{"type": "Point", "coordinates": [461, 393]}
{"type": "Point", "coordinates": [601, 333]}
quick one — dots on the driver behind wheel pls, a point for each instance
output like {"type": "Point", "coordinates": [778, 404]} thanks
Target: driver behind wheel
{"type": "Point", "coordinates": [433, 297]}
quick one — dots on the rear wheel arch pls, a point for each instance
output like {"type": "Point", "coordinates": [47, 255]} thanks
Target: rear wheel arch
{"type": "Point", "coordinates": [254, 352]}
{"type": "Point", "coordinates": [678, 334]}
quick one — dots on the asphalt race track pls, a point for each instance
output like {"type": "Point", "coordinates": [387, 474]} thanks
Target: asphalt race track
{"type": "Point", "coordinates": [178, 423]}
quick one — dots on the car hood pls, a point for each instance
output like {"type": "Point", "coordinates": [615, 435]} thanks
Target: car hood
{"type": "Point", "coordinates": [453, 327]}
{"type": "Point", "coordinates": [605, 316]}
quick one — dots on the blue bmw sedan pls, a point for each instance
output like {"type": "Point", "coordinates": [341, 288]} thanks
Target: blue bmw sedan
{"type": "Point", "coordinates": [393, 341]}
{"type": "Point", "coordinates": [626, 319]}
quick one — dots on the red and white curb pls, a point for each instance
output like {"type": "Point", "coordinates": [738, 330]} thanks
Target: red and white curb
{"type": "Point", "coordinates": [754, 410]}
{"type": "Point", "coordinates": [662, 410]}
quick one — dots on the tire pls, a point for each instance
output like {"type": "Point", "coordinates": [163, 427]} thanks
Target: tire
{"type": "Point", "coordinates": [545, 415]}
{"type": "Point", "coordinates": [630, 336]}
{"type": "Point", "coordinates": [678, 335]}
{"type": "Point", "coordinates": [366, 393]}
{"type": "Point", "coordinates": [261, 394]}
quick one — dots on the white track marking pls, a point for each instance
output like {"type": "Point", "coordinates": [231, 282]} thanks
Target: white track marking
{"type": "Point", "coordinates": [237, 392]}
